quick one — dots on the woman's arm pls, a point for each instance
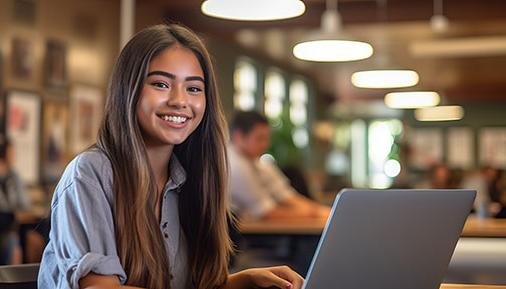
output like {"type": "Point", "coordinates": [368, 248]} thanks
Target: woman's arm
{"type": "Point", "coordinates": [95, 281]}
{"type": "Point", "coordinates": [281, 277]}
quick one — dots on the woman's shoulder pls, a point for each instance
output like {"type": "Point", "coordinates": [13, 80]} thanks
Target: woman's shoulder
{"type": "Point", "coordinates": [92, 162]}
{"type": "Point", "coordinates": [90, 168]}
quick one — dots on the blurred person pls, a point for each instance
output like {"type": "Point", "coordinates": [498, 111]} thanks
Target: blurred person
{"type": "Point", "coordinates": [258, 189]}
{"type": "Point", "coordinates": [146, 206]}
{"type": "Point", "coordinates": [13, 198]}
{"type": "Point", "coordinates": [439, 178]}
{"type": "Point", "coordinates": [484, 182]}
{"type": "Point", "coordinates": [492, 175]}
{"type": "Point", "coordinates": [499, 210]}
{"type": "Point", "coordinates": [456, 178]}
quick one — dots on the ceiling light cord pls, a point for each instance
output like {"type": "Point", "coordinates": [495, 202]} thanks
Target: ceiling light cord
{"type": "Point", "coordinates": [438, 7]}
{"type": "Point", "coordinates": [331, 4]}
{"type": "Point", "coordinates": [331, 21]}
{"type": "Point", "coordinates": [438, 22]}
{"type": "Point", "coordinates": [325, 46]}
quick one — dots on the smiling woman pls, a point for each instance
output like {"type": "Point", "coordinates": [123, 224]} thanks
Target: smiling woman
{"type": "Point", "coordinates": [154, 182]}
{"type": "Point", "coordinates": [172, 100]}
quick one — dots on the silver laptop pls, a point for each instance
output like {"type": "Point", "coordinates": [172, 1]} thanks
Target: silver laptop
{"type": "Point", "coordinates": [389, 239]}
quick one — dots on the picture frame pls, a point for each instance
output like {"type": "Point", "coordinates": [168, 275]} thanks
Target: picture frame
{"type": "Point", "coordinates": [55, 139]}
{"type": "Point", "coordinates": [55, 64]}
{"type": "Point", "coordinates": [460, 147]}
{"type": "Point", "coordinates": [2, 98]}
{"type": "Point", "coordinates": [23, 130]}
{"type": "Point", "coordinates": [492, 146]}
{"type": "Point", "coordinates": [1, 71]}
{"type": "Point", "coordinates": [23, 58]}
{"type": "Point", "coordinates": [86, 110]}
{"type": "Point", "coordinates": [3, 113]}
{"type": "Point", "coordinates": [427, 147]}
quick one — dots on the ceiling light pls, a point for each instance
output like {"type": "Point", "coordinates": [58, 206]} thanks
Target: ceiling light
{"type": "Point", "coordinates": [384, 78]}
{"type": "Point", "coordinates": [323, 46]}
{"type": "Point", "coordinates": [332, 50]}
{"type": "Point", "coordinates": [412, 99]}
{"type": "Point", "coordinates": [258, 10]}
{"type": "Point", "coordinates": [438, 22]}
{"type": "Point", "coordinates": [440, 113]}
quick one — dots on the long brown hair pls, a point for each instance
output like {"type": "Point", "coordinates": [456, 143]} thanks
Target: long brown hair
{"type": "Point", "coordinates": [202, 201]}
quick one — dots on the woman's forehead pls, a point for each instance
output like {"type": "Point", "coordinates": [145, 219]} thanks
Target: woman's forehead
{"type": "Point", "coordinates": [178, 59]}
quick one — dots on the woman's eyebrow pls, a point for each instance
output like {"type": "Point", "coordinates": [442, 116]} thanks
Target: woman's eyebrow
{"type": "Point", "coordinates": [162, 73]}
{"type": "Point", "coordinates": [191, 78]}
{"type": "Point", "coordinates": [172, 76]}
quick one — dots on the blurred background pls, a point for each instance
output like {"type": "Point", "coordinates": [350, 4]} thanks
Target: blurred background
{"type": "Point", "coordinates": [56, 57]}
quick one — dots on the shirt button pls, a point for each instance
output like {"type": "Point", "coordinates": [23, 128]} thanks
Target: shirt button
{"type": "Point", "coordinates": [165, 235]}
{"type": "Point", "coordinates": [164, 225]}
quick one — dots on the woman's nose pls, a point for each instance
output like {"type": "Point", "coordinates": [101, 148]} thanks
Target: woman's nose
{"type": "Point", "coordinates": [178, 98]}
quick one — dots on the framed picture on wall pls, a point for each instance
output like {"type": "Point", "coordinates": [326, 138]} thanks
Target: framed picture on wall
{"type": "Point", "coordinates": [86, 110]}
{"type": "Point", "coordinates": [492, 146]}
{"type": "Point", "coordinates": [55, 64]}
{"type": "Point", "coordinates": [54, 139]}
{"type": "Point", "coordinates": [23, 59]}
{"type": "Point", "coordinates": [460, 147]}
{"type": "Point", "coordinates": [23, 131]}
{"type": "Point", "coordinates": [3, 113]}
{"type": "Point", "coordinates": [427, 147]}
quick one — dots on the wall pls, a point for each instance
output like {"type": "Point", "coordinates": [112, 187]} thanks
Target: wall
{"type": "Point", "coordinates": [89, 30]}
{"type": "Point", "coordinates": [84, 37]}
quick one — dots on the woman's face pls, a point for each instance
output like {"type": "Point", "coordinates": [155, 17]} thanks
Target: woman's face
{"type": "Point", "coordinates": [172, 101]}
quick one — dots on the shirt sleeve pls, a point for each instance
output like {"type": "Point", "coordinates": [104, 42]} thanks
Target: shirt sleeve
{"type": "Point", "coordinates": [249, 198]}
{"type": "Point", "coordinates": [82, 229]}
{"type": "Point", "coordinates": [279, 185]}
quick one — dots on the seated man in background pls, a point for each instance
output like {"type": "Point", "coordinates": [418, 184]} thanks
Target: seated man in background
{"type": "Point", "coordinates": [13, 198]}
{"type": "Point", "coordinates": [258, 188]}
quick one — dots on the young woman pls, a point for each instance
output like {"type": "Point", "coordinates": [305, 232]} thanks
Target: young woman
{"type": "Point", "coordinates": [146, 206]}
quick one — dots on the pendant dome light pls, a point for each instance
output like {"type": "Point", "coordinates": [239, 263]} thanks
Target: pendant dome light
{"type": "Point", "coordinates": [257, 10]}
{"type": "Point", "coordinates": [438, 22]}
{"type": "Point", "coordinates": [440, 113]}
{"type": "Point", "coordinates": [323, 46]}
{"type": "Point", "coordinates": [412, 99]}
{"type": "Point", "coordinates": [387, 75]}
{"type": "Point", "coordinates": [385, 78]}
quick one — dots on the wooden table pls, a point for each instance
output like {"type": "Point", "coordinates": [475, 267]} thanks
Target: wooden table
{"type": "Point", "coordinates": [462, 286]}
{"type": "Point", "coordinates": [473, 228]}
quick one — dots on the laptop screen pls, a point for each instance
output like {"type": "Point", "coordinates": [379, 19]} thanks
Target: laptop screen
{"type": "Point", "coordinates": [389, 239]}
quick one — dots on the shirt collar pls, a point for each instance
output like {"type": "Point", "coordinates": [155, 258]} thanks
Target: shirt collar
{"type": "Point", "coordinates": [177, 174]}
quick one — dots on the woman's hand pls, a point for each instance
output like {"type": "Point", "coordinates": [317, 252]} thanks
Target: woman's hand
{"type": "Point", "coordinates": [281, 277]}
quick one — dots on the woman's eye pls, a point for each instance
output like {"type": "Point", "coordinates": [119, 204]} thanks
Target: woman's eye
{"type": "Point", "coordinates": [194, 89]}
{"type": "Point", "coordinates": [159, 84]}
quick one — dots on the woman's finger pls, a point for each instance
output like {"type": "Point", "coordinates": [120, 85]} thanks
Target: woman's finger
{"type": "Point", "coordinates": [288, 274]}
{"type": "Point", "coordinates": [279, 282]}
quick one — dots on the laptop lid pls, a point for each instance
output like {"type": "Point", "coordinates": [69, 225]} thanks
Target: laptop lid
{"type": "Point", "coordinates": [389, 239]}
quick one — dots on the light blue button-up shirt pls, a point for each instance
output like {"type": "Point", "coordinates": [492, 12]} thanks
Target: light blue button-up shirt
{"type": "Point", "coordinates": [82, 238]}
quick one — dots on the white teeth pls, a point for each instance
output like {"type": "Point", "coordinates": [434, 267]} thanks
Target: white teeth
{"type": "Point", "coordinates": [177, 119]}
